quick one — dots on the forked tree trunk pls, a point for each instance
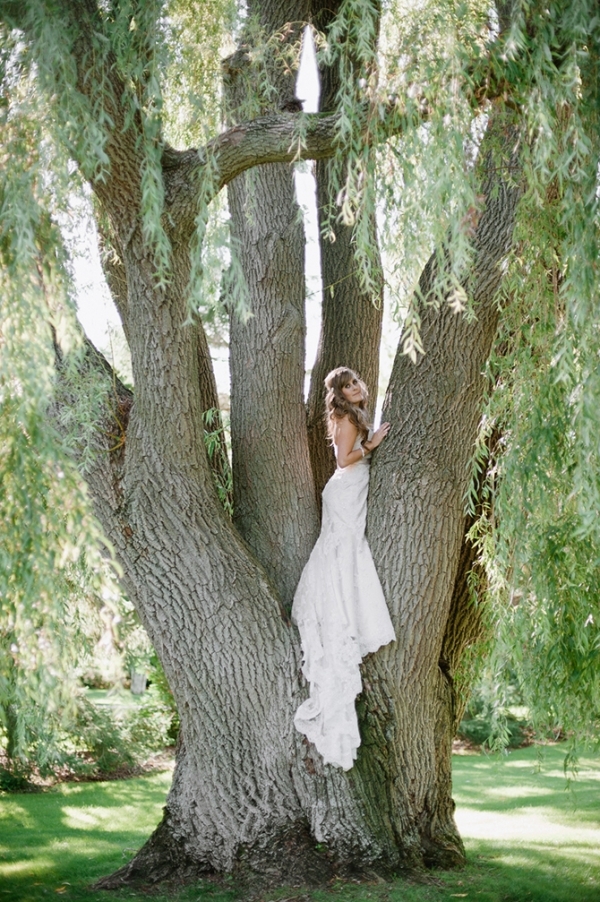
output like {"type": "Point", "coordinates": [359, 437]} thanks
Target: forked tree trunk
{"type": "Point", "coordinates": [248, 792]}
{"type": "Point", "coordinates": [416, 529]}
{"type": "Point", "coordinates": [274, 503]}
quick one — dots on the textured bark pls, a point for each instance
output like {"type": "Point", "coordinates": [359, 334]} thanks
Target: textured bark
{"type": "Point", "coordinates": [205, 602]}
{"type": "Point", "coordinates": [274, 502]}
{"type": "Point", "coordinates": [248, 792]}
{"type": "Point", "coordinates": [117, 280]}
{"type": "Point", "coordinates": [350, 317]}
{"type": "Point", "coordinates": [416, 530]}
{"type": "Point", "coordinates": [245, 783]}
{"type": "Point", "coordinates": [272, 138]}
{"type": "Point", "coordinates": [257, 796]}
{"type": "Point", "coordinates": [466, 625]}
{"type": "Point", "coordinates": [350, 331]}
{"type": "Point", "coordinates": [245, 788]}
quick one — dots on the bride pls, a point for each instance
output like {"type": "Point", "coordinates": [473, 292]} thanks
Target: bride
{"type": "Point", "coordinates": [339, 606]}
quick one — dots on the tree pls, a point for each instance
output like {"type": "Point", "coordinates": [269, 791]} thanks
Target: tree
{"type": "Point", "coordinates": [461, 120]}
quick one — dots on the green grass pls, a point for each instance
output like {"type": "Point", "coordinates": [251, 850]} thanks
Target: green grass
{"type": "Point", "coordinates": [530, 834]}
{"type": "Point", "coordinates": [117, 698]}
{"type": "Point", "coordinates": [530, 837]}
{"type": "Point", "coordinates": [73, 834]}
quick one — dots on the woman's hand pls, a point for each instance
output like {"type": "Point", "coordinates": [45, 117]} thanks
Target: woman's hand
{"type": "Point", "coordinates": [377, 437]}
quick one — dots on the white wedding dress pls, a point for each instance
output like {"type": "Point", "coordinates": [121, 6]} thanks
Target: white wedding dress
{"type": "Point", "coordinates": [341, 614]}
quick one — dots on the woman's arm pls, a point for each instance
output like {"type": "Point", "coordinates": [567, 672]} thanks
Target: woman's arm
{"type": "Point", "coordinates": [344, 436]}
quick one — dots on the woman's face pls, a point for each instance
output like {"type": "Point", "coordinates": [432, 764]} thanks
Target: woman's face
{"type": "Point", "coordinates": [352, 391]}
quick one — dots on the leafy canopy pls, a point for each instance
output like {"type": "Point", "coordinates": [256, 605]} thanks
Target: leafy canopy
{"type": "Point", "coordinates": [411, 112]}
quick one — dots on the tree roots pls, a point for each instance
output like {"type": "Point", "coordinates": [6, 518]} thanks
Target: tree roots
{"type": "Point", "coordinates": [288, 856]}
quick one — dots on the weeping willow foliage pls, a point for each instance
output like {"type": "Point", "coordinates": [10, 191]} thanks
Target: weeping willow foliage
{"type": "Point", "coordinates": [440, 69]}
{"type": "Point", "coordinates": [51, 135]}
{"type": "Point", "coordinates": [412, 163]}
{"type": "Point", "coordinates": [419, 81]}
{"type": "Point", "coordinates": [48, 540]}
{"type": "Point", "coordinates": [540, 529]}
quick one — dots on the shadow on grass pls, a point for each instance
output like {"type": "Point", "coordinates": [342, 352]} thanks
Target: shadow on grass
{"type": "Point", "coordinates": [530, 837]}
{"type": "Point", "coordinates": [528, 778]}
{"type": "Point", "coordinates": [60, 841]}
{"type": "Point", "coordinates": [500, 873]}
{"type": "Point", "coordinates": [535, 833]}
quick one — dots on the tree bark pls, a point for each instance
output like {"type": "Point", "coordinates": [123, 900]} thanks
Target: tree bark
{"type": "Point", "coordinates": [220, 632]}
{"type": "Point", "coordinates": [274, 503]}
{"type": "Point", "coordinates": [111, 255]}
{"type": "Point", "coordinates": [416, 530]}
{"type": "Point", "coordinates": [248, 792]}
{"type": "Point", "coordinates": [350, 317]}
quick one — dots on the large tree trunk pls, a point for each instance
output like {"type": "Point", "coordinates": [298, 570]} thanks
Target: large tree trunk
{"type": "Point", "coordinates": [416, 529]}
{"type": "Point", "coordinates": [248, 791]}
{"type": "Point", "coordinates": [274, 503]}
{"type": "Point", "coordinates": [221, 634]}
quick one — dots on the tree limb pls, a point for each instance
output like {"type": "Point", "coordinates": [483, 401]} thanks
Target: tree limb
{"type": "Point", "coordinates": [103, 475]}
{"type": "Point", "coordinates": [200, 174]}
{"type": "Point", "coordinates": [97, 79]}
{"type": "Point", "coordinates": [194, 175]}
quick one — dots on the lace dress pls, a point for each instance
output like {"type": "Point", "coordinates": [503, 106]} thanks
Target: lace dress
{"type": "Point", "coordinates": [341, 614]}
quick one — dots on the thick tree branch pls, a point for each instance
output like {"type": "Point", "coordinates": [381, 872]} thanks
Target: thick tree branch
{"type": "Point", "coordinates": [86, 44]}
{"type": "Point", "coordinates": [200, 174]}
{"type": "Point", "coordinates": [351, 319]}
{"type": "Point", "coordinates": [99, 81]}
{"type": "Point", "coordinates": [103, 475]}
{"type": "Point", "coordinates": [195, 175]}
{"type": "Point", "coordinates": [273, 139]}
{"type": "Point", "coordinates": [274, 506]}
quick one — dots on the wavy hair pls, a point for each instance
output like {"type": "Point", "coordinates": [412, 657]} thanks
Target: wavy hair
{"type": "Point", "coordinates": [337, 406]}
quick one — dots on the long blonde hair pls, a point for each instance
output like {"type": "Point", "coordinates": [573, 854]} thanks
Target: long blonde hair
{"type": "Point", "coordinates": [337, 405]}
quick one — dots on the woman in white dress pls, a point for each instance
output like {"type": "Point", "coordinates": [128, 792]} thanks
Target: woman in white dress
{"type": "Point", "coordinates": [339, 606]}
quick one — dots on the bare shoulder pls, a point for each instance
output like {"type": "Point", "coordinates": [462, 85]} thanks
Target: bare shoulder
{"type": "Point", "coordinates": [344, 429]}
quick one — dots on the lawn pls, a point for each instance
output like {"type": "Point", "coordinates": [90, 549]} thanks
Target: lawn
{"type": "Point", "coordinates": [530, 837]}
{"type": "Point", "coordinates": [115, 699]}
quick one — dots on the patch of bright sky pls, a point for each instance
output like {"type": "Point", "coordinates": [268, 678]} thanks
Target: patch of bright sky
{"type": "Point", "coordinates": [97, 312]}
{"type": "Point", "coordinates": [95, 308]}
{"type": "Point", "coordinates": [308, 90]}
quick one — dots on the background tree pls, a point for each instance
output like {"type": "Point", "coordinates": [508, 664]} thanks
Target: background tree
{"type": "Point", "coordinates": [450, 118]}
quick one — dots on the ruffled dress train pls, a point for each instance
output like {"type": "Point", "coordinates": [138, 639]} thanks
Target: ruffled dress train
{"type": "Point", "coordinates": [341, 613]}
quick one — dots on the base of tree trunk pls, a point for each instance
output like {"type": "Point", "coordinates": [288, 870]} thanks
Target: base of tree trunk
{"type": "Point", "coordinates": [161, 859]}
{"type": "Point", "coordinates": [446, 853]}
{"type": "Point", "coordinates": [289, 856]}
